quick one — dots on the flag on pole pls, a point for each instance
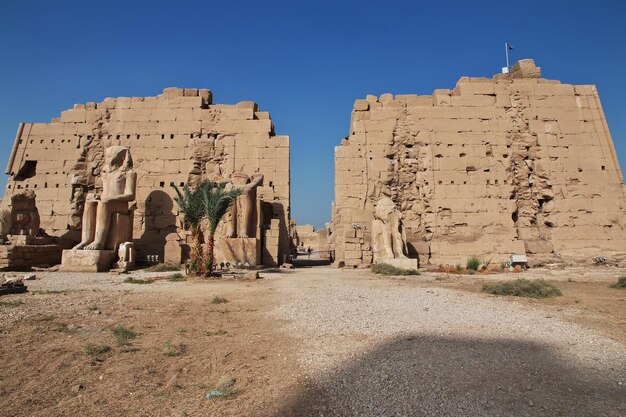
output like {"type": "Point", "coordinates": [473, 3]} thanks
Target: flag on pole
{"type": "Point", "coordinates": [508, 45]}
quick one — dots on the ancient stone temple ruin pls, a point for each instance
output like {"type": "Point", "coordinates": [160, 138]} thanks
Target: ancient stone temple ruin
{"type": "Point", "coordinates": [178, 138]}
{"type": "Point", "coordinates": [514, 164]}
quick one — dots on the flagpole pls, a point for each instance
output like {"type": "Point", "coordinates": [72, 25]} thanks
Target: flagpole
{"type": "Point", "coordinates": [506, 49]}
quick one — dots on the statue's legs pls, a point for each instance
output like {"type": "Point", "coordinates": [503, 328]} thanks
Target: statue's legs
{"type": "Point", "coordinates": [232, 225]}
{"type": "Point", "coordinates": [103, 219]}
{"type": "Point", "coordinates": [387, 242]}
{"type": "Point", "coordinates": [246, 212]}
{"type": "Point", "coordinates": [89, 224]}
{"type": "Point", "coordinates": [398, 243]}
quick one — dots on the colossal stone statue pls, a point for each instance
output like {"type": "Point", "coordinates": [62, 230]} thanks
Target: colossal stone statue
{"type": "Point", "coordinates": [22, 218]}
{"type": "Point", "coordinates": [388, 241]}
{"type": "Point", "coordinates": [243, 209]}
{"type": "Point", "coordinates": [118, 189]}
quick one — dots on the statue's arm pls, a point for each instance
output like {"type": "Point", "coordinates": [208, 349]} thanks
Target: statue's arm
{"type": "Point", "coordinates": [256, 180]}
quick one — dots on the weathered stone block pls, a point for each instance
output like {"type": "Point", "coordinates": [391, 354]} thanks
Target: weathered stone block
{"type": "Point", "coordinates": [87, 260]}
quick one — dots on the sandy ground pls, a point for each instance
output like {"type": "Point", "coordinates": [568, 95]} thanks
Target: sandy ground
{"type": "Point", "coordinates": [314, 341]}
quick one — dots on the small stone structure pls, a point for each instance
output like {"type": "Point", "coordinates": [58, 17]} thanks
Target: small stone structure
{"type": "Point", "coordinates": [22, 243]}
{"type": "Point", "coordinates": [514, 164]}
{"type": "Point", "coordinates": [177, 138]}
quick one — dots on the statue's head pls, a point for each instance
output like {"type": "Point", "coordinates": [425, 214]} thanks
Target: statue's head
{"type": "Point", "coordinates": [117, 157]}
{"type": "Point", "coordinates": [384, 207]}
{"type": "Point", "coordinates": [239, 178]}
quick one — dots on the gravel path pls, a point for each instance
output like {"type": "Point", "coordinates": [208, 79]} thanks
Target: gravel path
{"type": "Point", "coordinates": [380, 347]}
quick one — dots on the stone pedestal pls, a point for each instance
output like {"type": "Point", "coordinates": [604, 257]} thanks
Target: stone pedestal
{"type": "Point", "coordinates": [87, 260]}
{"type": "Point", "coordinates": [238, 249]}
{"type": "Point", "coordinates": [405, 263]}
{"type": "Point", "coordinates": [24, 252]}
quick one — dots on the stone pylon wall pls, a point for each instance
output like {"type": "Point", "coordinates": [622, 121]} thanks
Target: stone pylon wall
{"type": "Point", "coordinates": [178, 138]}
{"type": "Point", "coordinates": [510, 165]}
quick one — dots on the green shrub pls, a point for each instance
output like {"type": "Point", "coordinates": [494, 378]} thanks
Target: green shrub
{"type": "Point", "coordinates": [386, 269]}
{"type": "Point", "coordinates": [620, 284]}
{"type": "Point", "coordinates": [123, 335]}
{"type": "Point", "coordinates": [177, 277]}
{"type": "Point", "coordinates": [174, 350]}
{"type": "Point", "coordinates": [131, 280]}
{"type": "Point", "coordinates": [473, 262]}
{"type": "Point", "coordinates": [91, 349]}
{"type": "Point", "coordinates": [219, 332]}
{"type": "Point", "coordinates": [536, 288]}
{"type": "Point", "coordinates": [218, 300]}
{"type": "Point", "coordinates": [163, 267]}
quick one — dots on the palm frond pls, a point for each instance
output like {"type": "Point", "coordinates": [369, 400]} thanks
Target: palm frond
{"type": "Point", "coordinates": [190, 204]}
{"type": "Point", "coordinates": [215, 201]}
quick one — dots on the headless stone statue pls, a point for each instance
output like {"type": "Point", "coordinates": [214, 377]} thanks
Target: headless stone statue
{"type": "Point", "coordinates": [118, 189]}
{"type": "Point", "coordinates": [387, 231]}
{"type": "Point", "coordinates": [243, 209]}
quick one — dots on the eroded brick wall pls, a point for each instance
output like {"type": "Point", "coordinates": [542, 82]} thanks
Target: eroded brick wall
{"type": "Point", "coordinates": [177, 138]}
{"type": "Point", "coordinates": [514, 164]}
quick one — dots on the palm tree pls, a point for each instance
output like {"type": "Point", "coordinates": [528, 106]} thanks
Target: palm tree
{"type": "Point", "coordinates": [215, 202]}
{"type": "Point", "coordinates": [190, 204]}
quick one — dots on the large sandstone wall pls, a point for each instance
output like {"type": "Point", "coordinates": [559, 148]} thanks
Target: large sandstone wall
{"type": "Point", "coordinates": [177, 138]}
{"type": "Point", "coordinates": [514, 164]}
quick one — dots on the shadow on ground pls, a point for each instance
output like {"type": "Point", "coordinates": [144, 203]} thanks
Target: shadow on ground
{"type": "Point", "coordinates": [304, 262]}
{"type": "Point", "coordinates": [432, 376]}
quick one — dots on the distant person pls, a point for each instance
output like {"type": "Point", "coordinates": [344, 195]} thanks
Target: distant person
{"type": "Point", "coordinates": [309, 251]}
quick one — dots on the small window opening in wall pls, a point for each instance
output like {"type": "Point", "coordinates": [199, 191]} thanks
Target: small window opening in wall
{"type": "Point", "coordinates": [110, 137]}
{"type": "Point", "coordinates": [127, 136]}
{"type": "Point", "coordinates": [162, 184]}
{"type": "Point", "coordinates": [603, 168]}
{"type": "Point", "coordinates": [440, 182]}
{"type": "Point", "coordinates": [505, 155]}
{"type": "Point", "coordinates": [162, 136]}
{"type": "Point", "coordinates": [172, 136]}
{"type": "Point", "coordinates": [117, 137]}
{"type": "Point", "coordinates": [57, 186]}
{"type": "Point", "coordinates": [51, 140]}
{"type": "Point", "coordinates": [45, 185]}
{"type": "Point", "coordinates": [452, 182]}
{"type": "Point", "coordinates": [506, 182]}
{"type": "Point", "coordinates": [171, 183]}
{"type": "Point", "coordinates": [27, 170]}
{"type": "Point", "coordinates": [62, 140]}
{"type": "Point", "coordinates": [21, 141]}
{"type": "Point", "coordinates": [464, 182]}
{"type": "Point", "coordinates": [19, 187]}
{"type": "Point", "coordinates": [580, 170]}
{"type": "Point", "coordinates": [138, 136]}
{"type": "Point", "coordinates": [26, 186]}
{"type": "Point", "coordinates": [487, 182]}
{"type": "Point", "coordinates": [191, 136]}
{"type": "Point", "coordinates": [462, 154]}
{"type": "Point", "coordinates": [99, 136]}
{"type": "Point", "coordinates": [41, 141]}
{"type": "Point", "coordinates": [182, 184]}
{"type": "Point", "coordinates": [31, 141]}
{"type": "Point", "coordinates": [35, 186]}
{"type": "Point", "coordinates": [496, 182]}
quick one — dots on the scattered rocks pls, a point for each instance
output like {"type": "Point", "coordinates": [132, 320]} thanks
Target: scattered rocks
{"type": "Point", "coordinates": [251, 276]}
{"type": "Point", "coordinates": [77, 388]}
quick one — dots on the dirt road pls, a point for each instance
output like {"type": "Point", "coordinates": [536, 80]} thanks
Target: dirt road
{"type": "Point", "coordinates": [312, 341]}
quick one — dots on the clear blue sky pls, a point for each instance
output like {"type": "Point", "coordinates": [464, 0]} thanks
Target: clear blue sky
{"type": "Point", "coordinates": [305, 62]}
